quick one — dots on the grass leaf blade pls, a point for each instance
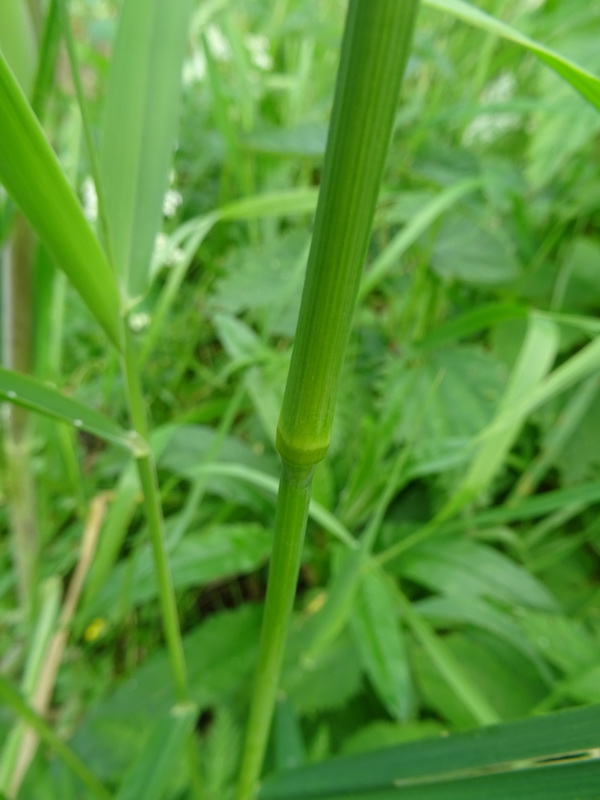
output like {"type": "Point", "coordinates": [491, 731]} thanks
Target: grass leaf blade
{"type": "Point", "coordinates": [31, 173]}
{"type": "Point", "coordinates": [139, 130]}
{"type": "Point", "coordinates": [380, 774]}
{"type": "Point", "coordinates": [581, 80]}
{"type": "Point", "coordinates": [31, 393]}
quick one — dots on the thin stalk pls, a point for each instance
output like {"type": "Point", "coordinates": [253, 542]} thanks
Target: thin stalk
{"type": "Point", "coordinates": [152, 505]}
{"type": "Point", "coordinates": [290, 524]}
{"type": "Point", "coordinates": [375, 49]}
{"type": "Point", "coordinates": [17, 346]}
{"type": "Point", "coordinates": [154, 517]}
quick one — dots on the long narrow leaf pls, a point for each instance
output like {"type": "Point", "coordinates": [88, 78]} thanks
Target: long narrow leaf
{"type": "Point", "coordinates": [139, 130]}
{"type": "Point", "coordinates": [581, 80]}
{"type": "Point", "coordinates": [28, 392]}
{"type": "Point", "coordinates": [31, 173]}
{"type": "Point", "coordinates": [450, 766]}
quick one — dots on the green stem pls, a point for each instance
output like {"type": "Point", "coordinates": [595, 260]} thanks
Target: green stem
{"type": "Point", "coordinates": [17, 346]}
{"type": "Point", "coordinates": [152, 505]}
{"type": "Point", "coordinates": [375, 49]}
{"type": "Point", "coordinates": [290, 525]}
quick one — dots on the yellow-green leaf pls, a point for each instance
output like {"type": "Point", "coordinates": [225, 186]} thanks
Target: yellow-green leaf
{"type": "Point", "coordinates": [31, 173]}
{"type": "Point", "coordinates": [139, 131]}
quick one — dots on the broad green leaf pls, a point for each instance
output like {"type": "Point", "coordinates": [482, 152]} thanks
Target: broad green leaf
{"type": "Point", "coordinates": [464, 567]}
{"type": "Point", "coordinates": [31, 173]}
{"type": "Point", "coordinates": [457, 684]}
{"type": "Point", "coordinates": [328, 681]}
{"type": "Point", "coordinates": [266, 279]}
{"type": "Point", "coordinates": [454, 767]}
{"type": "Point", "coordinates": [139, 130]}
{"type": "Point", "coordinates": [458, 609]}
{"type": "Point", "coordinates": [473, 249]}
{"type": "Point", "coordinates": [30, 393]}
{"type": "Point", "coordinates": [155, 767]}
{"type": "Point", "coordinates": [380, 642]}
{"type": "Point", "coordinates": [454, 391]}
{"type": "Point", "coordinates": [510, 683]}
{"type": "Point", "coordinates": [218, 554]}
{"type": "Point", "coordinates": [581, 80]}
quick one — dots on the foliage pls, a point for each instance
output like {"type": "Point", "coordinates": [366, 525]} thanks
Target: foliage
{"type": "Point", "coordinates": [449, 575]}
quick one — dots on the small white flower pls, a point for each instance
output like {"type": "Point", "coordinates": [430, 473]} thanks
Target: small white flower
{"type": "Point", "coordinates": [488, 126]}
{"type": "Point", "coordinates": [90, 200]}
{"type": "Point", "coordinates": [138, 321]}
{"type": "Point", "coordinates": [258, 47]}
{"type": "Point", "coordinates": [171, 202]}
{"type": "Point", "coordinates": [219, 46]}
{"type": "Point", "coordinates": [194, 69]}
{"type": "Point", "coordinates": [164, 253]}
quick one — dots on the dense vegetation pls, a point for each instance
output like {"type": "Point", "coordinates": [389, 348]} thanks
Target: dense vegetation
{"type": "Point", "coordinates": [449, 577]}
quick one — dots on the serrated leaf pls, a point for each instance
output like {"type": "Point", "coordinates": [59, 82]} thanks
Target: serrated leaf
{"type": "Point", "coordinates": [266, 279]}
{"type": "Point", "coordinates": [451, 394]}
{"type": "Point", "coordinates": [380, 642]}
{"type": "Point", "coordinates": [28, 392]}
{"type": "Point", "coordinates": [31, 173]}
{"type": "Point", "coordinates": [139, 131]}
{"type": "Point", "coordinates": [472, 250]}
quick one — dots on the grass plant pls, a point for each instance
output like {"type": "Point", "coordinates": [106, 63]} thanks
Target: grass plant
{"type": "Point", "coordinates": [304, 412]}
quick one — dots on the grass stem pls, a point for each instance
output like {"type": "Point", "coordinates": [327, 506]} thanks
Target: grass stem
{"type": "Point", "coordinates": [290, 525]}
{"type": "Point", "coordinates": [375, 47]}
{"type": "Point", "coordinates": [153, 509]}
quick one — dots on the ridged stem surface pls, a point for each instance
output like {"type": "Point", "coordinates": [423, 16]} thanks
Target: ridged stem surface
{"type": "Point", "coordinates": [375, 49]}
